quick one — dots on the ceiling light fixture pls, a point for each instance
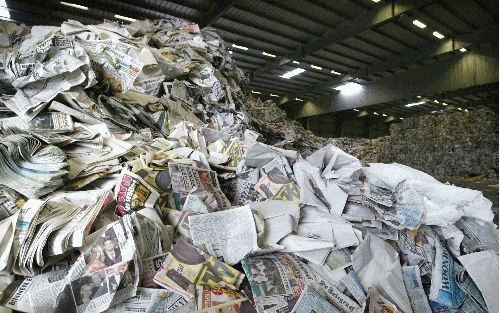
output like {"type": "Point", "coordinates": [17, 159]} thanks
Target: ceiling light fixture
{"type": "Point", "coordinates": [466, 110]}
{"type": "Point", "coordinates": [335, 72]}
{"type": "Point", "coordinates": [349, 88]}
{"type": "Point", "coordinates": [438, 35]}
{"type": "Point", "coordinates": [257, 92]}
{"type": "Point", "coordinates": [414, 104]}
{"type": "Point", "coordinates": [293, 73]}
{"type": "Point", "coordinates": [460, 109]}
{"type": "Point", "coordinates": [121, 17]}
{"type": "Point", "coordinates": [356, 110]}
{"type": "Point", "coordinates": [376, 1]}
{"type": "Point", "coordinates": [375, 113]}
{"type": "Point", "coordinates": [230, 52]}
{"type": "Point", "coordinates": [4, 10]}
{"type": "Point", "coordinates": [240, 47]}
{"type": "Point", "coordinates": [445, 104]}
{"type": "Point", "coordinates": [76, 6]}
{"type": "Point", "coordinates": [419, 24]}
{"type": "Point", "coordinates": [273, 95]}
{"type": "Point", "coordinates": [463, 50]}
{"type": "Point", "coordinates": [316, 67]}
{"type": "Point", "coordinates": [383, 114]}
{"type": "Point", "coordinates": [401, 118]}
{"type": "Point", "coordinates": [296, 62]}
{"type": "Point", "coordinates": [299, 99]}
{"type": "Point", "coordinates": [268, 54]}
{"type": "Point", "coordinates": [419, 97]}
{"type": "Point", "coordinates": [435, 101]}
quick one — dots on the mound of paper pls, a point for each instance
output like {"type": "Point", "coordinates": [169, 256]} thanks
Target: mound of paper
{"type": "Point", "coordinates": [132, 179]}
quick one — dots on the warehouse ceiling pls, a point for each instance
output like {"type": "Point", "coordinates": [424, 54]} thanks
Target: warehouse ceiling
{"type": "Point", "coordinates": [331, 43]}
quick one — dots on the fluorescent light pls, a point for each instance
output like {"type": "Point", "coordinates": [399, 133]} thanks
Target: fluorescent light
{"type": "Point", "coordinates": [293, 73]}
{"type": "Point", "coordinates": [296, 62]}
{"type": "Point", "coordinates": [460, 109]}
{"type": "Point", "coordinates": [230, 52]}
{"type": "Point", "coordinates": [463, 50]}
{"type": "Point", "coordinates": [419, 24]}
{"type": "Point", "coordinates": [76, 6]}
{"type": "Point", "coordinates": [435, 101]}
{"type": "Point", "coordinates": [349, 88]}
{"type": "Point", "coordinates": [438, 35]}
{"type": "Point", "coordinates": [466, 110]}
{"type": "Point", "coordinates": [4, 10]}
{"type": "Point", "coordinates": [273, 95]}
{"type": "Point", "coordinates": [376, 1]}
{"type": "Point", "coordinates": [298, 99]}
{"type": "Point", "coordinates": [121, 17]}
{"type": "Point", "coordinates": [257, 92]}
{"type": "Point", "coordinates": [240, 47]}
{"type": "Point", "coordinates": [419, 97]}
{"type": "Point", "coordinates": [356, 110]}
{"type": "Point", "coordinates": [401, 118]}
{"type": "Point", "coordinates": [383, 114]}
{"type": "Point", "coordinates": [375, 113]}
{"type": "Point", "coordinates": [414, 104]}
{"type": "Point", "coordinates": [268, 54]}
{"type": "Point", "coordinates": [316, 67]}
{"type": "Point", "coordinates": [445, 104]}
{"type": "Point", "coordinates": [335, 72]}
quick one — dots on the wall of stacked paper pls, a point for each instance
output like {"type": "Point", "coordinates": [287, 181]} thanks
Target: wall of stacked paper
{"type": "Point", "coordinates": [132, 180]}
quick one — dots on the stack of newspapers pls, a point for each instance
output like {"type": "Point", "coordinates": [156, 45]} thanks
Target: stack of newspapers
{"type": "Point", "coordinates": [136, 175]}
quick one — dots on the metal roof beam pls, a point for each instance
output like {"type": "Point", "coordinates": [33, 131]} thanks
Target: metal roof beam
{"type": "Point", "coordinates": [362, 22]}
{"type": "Point", "coordinates": [217, 9]}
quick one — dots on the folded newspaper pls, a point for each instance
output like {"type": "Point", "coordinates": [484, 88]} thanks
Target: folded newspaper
{"type": "Point", "coordinates": [137, 175]}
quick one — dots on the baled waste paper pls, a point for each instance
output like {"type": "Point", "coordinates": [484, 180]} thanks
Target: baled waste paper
{"type": "Point", "coordinates": [137, 176]}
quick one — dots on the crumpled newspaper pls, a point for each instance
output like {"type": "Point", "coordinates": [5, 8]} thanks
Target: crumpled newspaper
{"type": "Point", "coordinates": [137, 175]}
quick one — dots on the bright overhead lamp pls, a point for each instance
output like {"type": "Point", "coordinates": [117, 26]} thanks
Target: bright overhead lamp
{"type": "Point", "coordinates": [349, 88]}
{"type": "Point", "coordinates": [460, 109]}
{"type": "Point", "coordinates": [76, 6]}
{"type": "Point", "coordinates": [435, 101]}
{"type": "Point", "coordinates": [292, 73]}
{"type": "Point", "coordinates": [257, 92]}
{"type": "Point", "coordinates": [466, 110]}
{"type": "Point", "coordinates": [239, 47]}
{"type": "Point", "coordinates": [463, 50]}
{"type": "Point", "coordinates": [419, 97]}
{"type": "Point", "coordinates": [121, 17]}
{"type": "Point", "coordinates": [230, 52]}
{"type": "Point", "coordinates": [4, 10]}
{"type": "Point", "coordinates": [383, 114]}
{"type": "Point", "coordinates": [268, 54]}
{"type": "Point", "coordinates": [375, 113]}
{"type": "Point", "coordinates": [316, 67]}
{"type": "Point", "coordinates": [414, 104]}
{"type": "Point", "coordinates": [273, 95]}
{"type": "Point", "coordinates": [401, 118]}
{"type": "Point", "coordinates": [445, 104]}
{"type": "Point", "coordinates": [299, 99]}
{"type": "Point", "coordinates": [376, 1]}
{"type": "Point", "coordinates": [356, 110]}
{"type": "Point", "coordinates": [419, 24]}
{"type": "Point", "coordinates": [335, 72]}
{"type": "Point", "coordinates": [296, 62]}
{"type": "Point", "coordinates": [438, 35]}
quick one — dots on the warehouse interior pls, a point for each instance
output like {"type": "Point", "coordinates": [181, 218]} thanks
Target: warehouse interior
{"type": "Point", "coordinates": [405, 58]}
{"type": "Point", "coordinates": [393, 105]}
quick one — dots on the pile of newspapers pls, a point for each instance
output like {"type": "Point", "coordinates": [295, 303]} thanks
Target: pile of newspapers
{"type": "Point", "coordinates": [132, 180]}
{"type": "Point", "coordinates": [277, 129]}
